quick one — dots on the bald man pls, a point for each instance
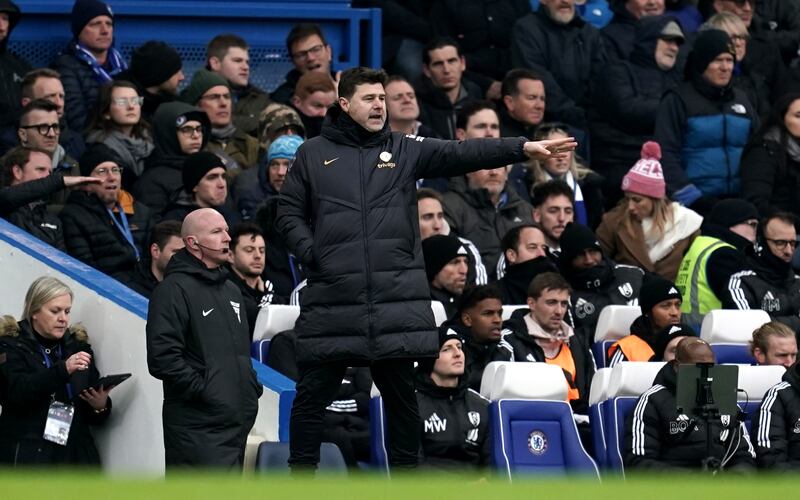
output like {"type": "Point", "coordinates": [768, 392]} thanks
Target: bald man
{"type": "Point", "coordinates": [198, 346]}
{"type": "Point", "coordinates": [659, 439]}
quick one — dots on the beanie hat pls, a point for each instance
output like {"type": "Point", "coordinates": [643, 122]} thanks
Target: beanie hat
{"type": "Point", "coordinates": [284, 147]}
{"type": "Point", "coordinates": [201, 82]}
{"type": "Point", "coordinates": [84, 11]}
{"type": "Point", "coordinates": [197, 165]}
{"type": "Point", "coordinates": [728, 213]}
{"type": "Point", "coordinates": [96, 154]}
{"type": "Point", "coordinates": [574, 240]}
{"type": "Point", "coordinates": [447, 331]}
{"type": "Point", "coordinates": [707, 46]}
{"type": "Point", "coordinates": [665, 336]}
{"type": "Point", "coordinates": [646, 177]}
{"type": "Point", "coordinates": [153, 63]}
{"type": "Point", "coordinates": [656, 289]}
{"type": "Point", "coordinates": [275, 117]}
{"type": "Point", "coordinates": [438, 250]}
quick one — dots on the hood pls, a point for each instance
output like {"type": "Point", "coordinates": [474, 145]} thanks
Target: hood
{"type": "Point", "coordinates": [165, 135]}
{"type": "Point", "coordinates": [185, 263]}
{"type": "Point", "coordinates": [728, 236]}
{"type": "Point", "coordinates": [425, 385]}
{"type": "Point", "coordinates": [14, 16]}
{"type": "Point", "coordinates": [9, 327]}
{"type": "Point", "coordinates": [646, 36]}
{"type": "Point", "coordinates": [668, 377]}
{"type": "Point", "coordinates": [594, 278]}
{"type": "Point", "coordinates": [643, 328]}
{"type": "Point", "coordinates": [341, 129]}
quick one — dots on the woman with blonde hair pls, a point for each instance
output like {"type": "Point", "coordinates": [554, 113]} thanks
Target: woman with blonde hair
{"type": "Point", "coordinates": [47, 380]}
{"type": "Point", "coordinates": [646, 229]}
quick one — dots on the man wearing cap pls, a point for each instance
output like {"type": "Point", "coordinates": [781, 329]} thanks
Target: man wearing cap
{"type": "Point", "coordinates": [619, 33]}
{"type": "Point", "coordinates": [12, 68]}
{"type": "Point", "coordinates": [255, 185]}
{"type": "Point", "coordinates": [454, 418]}
{"type": "Point", "coordinates": [277, 120]}
{"type": "Point", "coordinates": [211, 93]}
{"type": "Point", "coordinates": [156, 69]}
{"type": "Point", "coordinates": [89, 60]}
{"type": "Point", "coordinates": [596, 280]}
{"type": "Point", "coordinates": [104, 226]}
{"type": "Point", "coordinates": [703, 126]}
{"type": "Point", "coordinates": [446, 268]}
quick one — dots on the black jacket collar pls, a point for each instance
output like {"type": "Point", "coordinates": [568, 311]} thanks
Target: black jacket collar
{"type": "Point", "coordinates": [340, 128]}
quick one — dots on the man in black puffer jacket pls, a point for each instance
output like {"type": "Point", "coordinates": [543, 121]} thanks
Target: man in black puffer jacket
{"type": "Point", "coordinates": [348, 212]}
{"type": "Point", "coordinates": [12, 68]}
{"type": "Point", "coordinates": [776, 426]}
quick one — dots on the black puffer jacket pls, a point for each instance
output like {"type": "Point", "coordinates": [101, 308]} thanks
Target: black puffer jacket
{"type": "Point", "coordinates": [198, 345]}
{"type": "Point", "coordinates": [281, 267]}
{"type": "Point", "coordinates": [776, 426]}
{"type": "Point", "coordinates": [618, 35]}
{"type": "Point", "coordinates": [514, 284]}
{"type": "Point", "coordinates": [12, 69]}
{"type": "Point", "coordinates": [348, 211]}
{"type": "Point", "coordinates": [23, 205]}
{"type": "Point", "coordinates": [81, 89]}
{"type": "Point", "coordinates": [436, 110]}
{"type": "Point", "coordinates": [28, 385]}
{"type": "Point", "coordinates": [771, 175]}
{"type": "Point", "coordinates": [658, 439]}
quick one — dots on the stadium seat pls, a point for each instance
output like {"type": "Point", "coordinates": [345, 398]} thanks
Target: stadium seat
{"type": "Point", "coordinates": [377, 434]}
{"type": "Point", "coordinates": [508, 380]}
{"type": "Point", "coordinates": [613, 324]}
{"type": "Point", "coordinates": [439, 314]}
{"type": "Point", "coordinates": [273, 458]}
{"type": "Point", "coordinates": [597, 403]}
{"type": "Point", "coordinates": [273, 319]}
{"type": "Point", "coordinates": [509, 310]}
{"type": "Point", "coordinates": [730, 331]}
{"type": "Point", "coordinates": [260, 350]}
{"type": "Point", "coordinates": [754, 382]}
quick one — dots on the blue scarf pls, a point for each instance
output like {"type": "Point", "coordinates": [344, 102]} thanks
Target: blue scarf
{"type": "Point", "coordinates": [114, 60]}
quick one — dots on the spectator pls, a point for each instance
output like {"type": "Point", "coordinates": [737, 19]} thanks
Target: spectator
{"type": "Point", "coordinates": [27, 181]}
{"type": "Point", "coordinates": [703, 125]}
{"type": "Point", "coordinates": [553, 209]}
{"type": "Point", "coordinates": [12, 68]}
{"type": "Point", "coordinates": [281, 268]}
{"type": "Point", "coordinates": [48, 365]}
{"type": "Point", "coordinates": [165, 240]}
{"type": "Point", "coordinates": [525, 253]}
{"type": "Point", "coordinates": [117, 122]}
{"type": "Point", "coordinates": [446, 268]}
{"type": "Point", "coordinates": [479, 320]}
{"type": "Point", "coordinates": [523, 96]}
{"type": "Point", "coordinates": [619, 34]}
{"type": "Point", "coordinates": [770, 283]}
{"type": "Point", "coordinates": [277, 120]}
{"type": "Point", "coordinates": [228, 56]}
{"type": "Point", "coordinates": [309, 52]}
{"type": "Point", "coordinates": [596, 281]}
{"type": "Point", "coordinates": [89, 60]}
{"type": "Point", "coordinates": [543, 336]}
{"type": "Point", "coordinates": [204, 186]}
{"type": "Point", "coordinates": [565, 51]}
{"type": "Point", "coordinates": [625, 118]}
{"type": "Point", "coordinates": [39, 128]}
{"type": "Point", "coordinates": [211, 93]}
{"type": "Point", "coordinates": [255, 185]}
{"type": "Point", "coordinates": [403, 109]}
{"type": "Point", "coordinates": [211, 391]}
{"type": "Point", "coordinates": [104, 226]}
{"type": "Point", "coordinates": [178, 131]}
{"type": "Point", "coordinates": [443, 395]}
{"type": "Point", "coordinates": [650, 442]}
{"type": "Point", "coordinates": [771, 162]}
{"type": "Point", "coordinates": [646, 229]}
{"type": "Point", "coordinates": [667, 341]}
{"type": "Point", "coordinates": [774, 343]}
{"type": "Point", "coordinates": [444, 90]}
{"type": "Point", "coordinates": [726, 237]}
{"type": "Point", "coordinates": [314, 93]}
{"type": "Point", "coordinates": [156, 70]}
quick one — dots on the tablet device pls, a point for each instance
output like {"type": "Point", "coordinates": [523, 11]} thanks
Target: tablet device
{"type": "Point", "coordinates": [112, 380]}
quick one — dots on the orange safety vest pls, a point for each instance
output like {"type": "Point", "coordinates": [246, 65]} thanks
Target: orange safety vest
{"type": "Point", "coordinates": [564, 360]}
{"type": "Point", "coordinates": [633, 347]}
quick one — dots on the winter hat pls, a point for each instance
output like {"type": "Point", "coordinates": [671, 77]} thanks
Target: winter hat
{"type": "Point", "coordinates": [275, 117]}
{"type": "Point", "coordinates": [438, 251]}
{"type": "Point", "coordinates": [728, 213]}
{"type": "Point", "coordinates": [646, 177]}
{"type": "Point", "coordinates": [656, 289]}
{"type": "Point", "coordinates": [707, 46]}
{"type": "Point", "coordinates": [574, 240]}
{"type": "Point", "coordinates": [94, 155]}
{"type": "Point", "coordinates": [672, 31]}
{"type": "Point", "coordinates": [84, 11]}
{"type": "Point", "coordinates": [446, 332]}
{"type": "Point", "coordinates": [201, 82]}
{"type": "Point", "coordinates": [153, 63]}
{"type": "Point", "coordinates": [196, 165]}
{"type": "Point", "coordinates": [665, 336]}
{"type": "Point", "coordinates": [284, 147]}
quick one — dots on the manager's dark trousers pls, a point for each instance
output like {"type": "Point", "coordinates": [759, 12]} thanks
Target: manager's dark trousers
{"type": "Point", "coordinates": [316, 389]}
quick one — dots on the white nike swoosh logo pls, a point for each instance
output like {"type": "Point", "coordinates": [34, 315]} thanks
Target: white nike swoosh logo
{"type": "Point", "coordinates": [206, 313]}
{"type": "Point", "coordinates": [328, 162]}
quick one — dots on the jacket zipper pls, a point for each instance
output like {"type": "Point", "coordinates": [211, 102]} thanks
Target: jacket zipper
{"type": "Point", "coordinates": [366, 245]}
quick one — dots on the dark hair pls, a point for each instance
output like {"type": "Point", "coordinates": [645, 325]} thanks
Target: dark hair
{"type": "Point", "coordinates": [31, 77]}
{"type": "Point", "coordinates": [360, 75]}
{"type": "Point", "coordinates": [510, 240]}
{"type": "Point", "coordinates": [302, 31]}
{"type": "Point", "coordinates": [101, 119]}
{"type": "Point", "coordinates": [16, 157]}
{"type": "Point", "coordinates": [542, 192]}
{"type": "Point", "coordinates": [396, 78]}
{"type": "Point", "coordinates": [439, 43]}
{"type": "Point", "coordinates": [163, 231]}
{"type": "Point", "coordinates": [423, 193]}
{"type": "Point", "coordinates": [470, 108]}
{"type": "Point", "coordinates": [785, 217]}
{"type": "Point", "coordinates": [220, 45]}
{"type": "Point", "coordinates": [243, 229]}
{"type": "Point", "coordinates": [37, 105]}
{"type": "Point", "coordinates": [775, 120]}
{"type": "Point", "coordinates": [510, 85]}
{"type": "Point", "coordinates": [547, 281]}
{"type": "Point", "coordinates": [473, 294]}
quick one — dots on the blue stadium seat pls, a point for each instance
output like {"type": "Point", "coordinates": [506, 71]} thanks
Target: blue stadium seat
{"type": "Point", "coordinates": [754, 382]}
{"type": "Point", "coordinates": [613, 324]}
{"type": "Point", "coordinates": [272, 458]}
{"type": "Point", "coordinates": [377, 433]}
{"type": "Point", "coordinates": [260, 350]}
{"type": "Point", "coordinates": [730, 331]}
{"type": "Point", "coordinates": [597, 404]}
{"type": "Point", "coordinates": [732, 353]}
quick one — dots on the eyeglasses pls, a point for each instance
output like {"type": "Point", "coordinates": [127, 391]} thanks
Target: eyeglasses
{"type": "Point", "coordinates": [217, 97]}
{"type": "Point", "coordinates": [189, 131]}
{"type": "Point", "coordinates": [104, 171]}
{"type": "Point", "coordinates": [127, 101]}
{"type": "Point", "coordinates": [44, 128]}
{"type": "Point", "coordinates": [303, 54]}
{"type": "Point", "coordinates": [781, 244]}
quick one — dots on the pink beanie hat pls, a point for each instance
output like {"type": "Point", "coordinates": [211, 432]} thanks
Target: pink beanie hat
{"type": "Point", "coordinates": [646, 177]}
